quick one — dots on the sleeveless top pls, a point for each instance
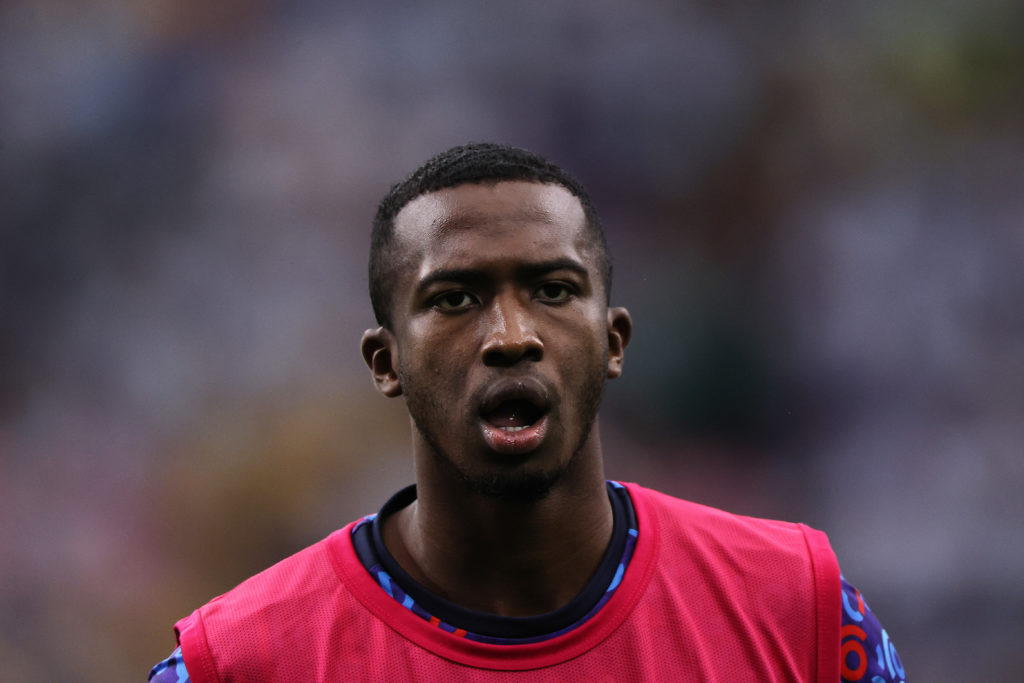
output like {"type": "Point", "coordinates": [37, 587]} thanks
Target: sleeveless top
{"type": "Point", "coordinates": [707, 596]}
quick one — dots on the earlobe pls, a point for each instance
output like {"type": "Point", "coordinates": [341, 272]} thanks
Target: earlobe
{"type": "Point", "coordinates": [381, 355]}
{"type": "Point", "coordinates": [620, 331]}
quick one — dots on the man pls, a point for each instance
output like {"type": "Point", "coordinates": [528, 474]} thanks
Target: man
{"type": "Point", "coordinates": [512, 557]}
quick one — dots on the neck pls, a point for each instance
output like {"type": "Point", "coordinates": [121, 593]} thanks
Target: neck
{"type": "Point", "coordinates": [505, 557]}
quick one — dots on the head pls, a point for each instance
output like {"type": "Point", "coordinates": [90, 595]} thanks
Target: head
{"type": "Point", "coordinates": [492, 295]}
{"type": "Point", "coordinates": [475, 163]}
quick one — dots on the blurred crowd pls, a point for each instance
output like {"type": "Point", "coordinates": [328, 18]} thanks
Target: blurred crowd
{"type": "Point", "coordinates": [816, 214]}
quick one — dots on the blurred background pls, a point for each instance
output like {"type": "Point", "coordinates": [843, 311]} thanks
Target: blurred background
{"type": "Point", "coordinates": [816, 212]}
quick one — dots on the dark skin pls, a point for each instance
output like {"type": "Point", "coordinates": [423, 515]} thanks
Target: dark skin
{"type": "Point", "coordinates": [501, 340]}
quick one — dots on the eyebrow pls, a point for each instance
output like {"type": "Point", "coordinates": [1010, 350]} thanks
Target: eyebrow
{"type": "Point", "coordinates": [526, 271]}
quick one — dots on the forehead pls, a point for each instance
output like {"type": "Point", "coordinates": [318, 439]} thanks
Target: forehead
{"type": "Point", "coordinates": [467, 222]}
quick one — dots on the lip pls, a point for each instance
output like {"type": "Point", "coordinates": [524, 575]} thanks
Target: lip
{"type": "Point", "coordinates": [524, 388]}
{"type": "Point", "coordinates": [527, 438]}
{"type": "Point", "coordinates": [518, 442]}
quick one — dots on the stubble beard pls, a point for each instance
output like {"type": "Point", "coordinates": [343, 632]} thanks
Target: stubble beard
{"type": "Point", "coordinates": [516, 483]}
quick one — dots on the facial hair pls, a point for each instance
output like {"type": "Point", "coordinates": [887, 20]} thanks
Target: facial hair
{"type": "Point", "coordinates": [513, 484]}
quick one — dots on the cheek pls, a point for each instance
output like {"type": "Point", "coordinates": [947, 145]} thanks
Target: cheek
{"type": "Point", "coordinates": [586, 336]}
{"type": "Point", "coordinates": [442, 357]}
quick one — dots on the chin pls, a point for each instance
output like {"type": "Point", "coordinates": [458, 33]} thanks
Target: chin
{"type": "Point", "coordinates": [522, 487]}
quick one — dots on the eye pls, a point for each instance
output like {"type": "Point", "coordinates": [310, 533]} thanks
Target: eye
{"type": "Point", "coordinates": [454, 301]}
{"type": "Point", "coordinates": [554, 292]}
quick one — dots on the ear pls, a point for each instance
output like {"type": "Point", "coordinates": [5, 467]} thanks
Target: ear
{"type": "Point", "coordinates": [620, 331]}
{"type": "Point", "coordinates": [381, 355]}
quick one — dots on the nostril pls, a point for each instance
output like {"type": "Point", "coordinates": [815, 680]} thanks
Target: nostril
{"type": "Point", "coordinates": [504, 354]}
{"type": "Point", "coordinates": [532, 353]}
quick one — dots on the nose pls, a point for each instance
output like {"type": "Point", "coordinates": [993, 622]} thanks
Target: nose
{"type": "Point", "coordinates": [511, 335]}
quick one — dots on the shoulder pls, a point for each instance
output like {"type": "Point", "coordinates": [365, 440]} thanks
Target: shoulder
{"type": "Point", "coordinates": [290, 597]}
{"type": "Point", "coordinates": [292, 579]}
{"type": "Point", "coordinates": [747, 548]}
{"type": "Point", "coordinates": [704, 524]}
{"type": "Point", "coordinates": [769, 582]}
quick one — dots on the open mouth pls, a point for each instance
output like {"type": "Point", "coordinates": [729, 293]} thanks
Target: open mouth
{"type": "Point", "coordinates": [513, 415]}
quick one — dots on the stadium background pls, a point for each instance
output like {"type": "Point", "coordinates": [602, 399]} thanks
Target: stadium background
{"type": "Point", "coordinates": [816, 213]}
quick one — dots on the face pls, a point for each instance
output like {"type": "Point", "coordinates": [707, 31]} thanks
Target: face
{"type": "Point", "coordinates": [501, 339]}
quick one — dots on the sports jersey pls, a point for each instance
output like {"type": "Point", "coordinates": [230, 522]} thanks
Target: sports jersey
{"type": "Point", "coordinates": [396, 630]}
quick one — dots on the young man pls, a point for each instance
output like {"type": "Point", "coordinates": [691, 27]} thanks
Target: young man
{"type": "Point", "coordinates": [512, 557]}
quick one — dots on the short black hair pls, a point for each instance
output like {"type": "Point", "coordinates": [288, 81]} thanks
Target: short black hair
{"type": "Point", "coordinates": [480, 162]}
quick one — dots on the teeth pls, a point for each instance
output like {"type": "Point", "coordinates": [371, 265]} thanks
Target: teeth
{"type": "Point", "coordinates": [513, 429]}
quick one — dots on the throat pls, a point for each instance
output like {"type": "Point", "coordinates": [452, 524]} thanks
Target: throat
{"type": "Point", "coordinates": [508, 567]}
{"type": "Point", "coordinates": [546, 576]}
